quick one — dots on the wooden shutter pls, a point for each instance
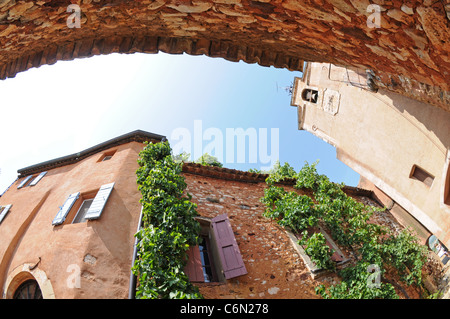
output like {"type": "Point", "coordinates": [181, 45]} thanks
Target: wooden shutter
{"type": "Point", "coordinates": [229, 254]}
{"type": "Point", "coordinates": [99, 202]}
{"type": "Point", "coordinates": [193, 268]}
{"type": "Point", "coordinates": [64, 209]}
{"type": "Point", "coordinates": [4, 212]}
{"type": "Point", "coordinates": [37, 179]}
{"type": "Point", "coordinates": [24, 181]}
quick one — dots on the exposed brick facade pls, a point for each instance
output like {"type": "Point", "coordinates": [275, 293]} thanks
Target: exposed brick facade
{"type": "Point", "coordinates": [275, 268]}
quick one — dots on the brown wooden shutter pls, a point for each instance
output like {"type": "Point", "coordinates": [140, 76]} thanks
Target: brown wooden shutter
{"type": "Point", "coordinates": [193, 268]}
{"type": "Point", "coordinates": [229, 253]}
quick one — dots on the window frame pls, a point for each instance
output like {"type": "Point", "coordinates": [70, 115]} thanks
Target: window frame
{"type": "Point", "coordinates": [195, 263]}
{"type": "Point", "coordinates": [73, 210]}
{"type": "Point", "coordinates": [417, 173]}
{"type": "Point", "coordinates": [312, 91]}
{"type": "Point", "coordinates": [107, 156]}
{"type": "Point", "coordinates": [82, 219]}
{"type": "Point", "coordinates": [222, 268]}
{"type": "Point", "coordinates": [24, 181]}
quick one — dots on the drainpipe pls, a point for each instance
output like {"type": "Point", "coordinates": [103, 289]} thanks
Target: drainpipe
{"type": "Point", "coordinates": [132, 288]}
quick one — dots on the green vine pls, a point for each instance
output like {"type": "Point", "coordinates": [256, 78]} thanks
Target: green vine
{"type": "Point", "coordinates": [348, 222]}
{"type": "Point", "coordinates": [169, 227]}
{"type": "Point", "coordinates": [318, 250]}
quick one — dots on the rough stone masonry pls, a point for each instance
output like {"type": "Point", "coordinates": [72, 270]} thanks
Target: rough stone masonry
{"type": "Point", "coordinates": [408, 50]}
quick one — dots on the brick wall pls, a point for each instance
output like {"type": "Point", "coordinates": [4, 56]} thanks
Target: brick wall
{"type": "Point", "coordinates": [274, 267]}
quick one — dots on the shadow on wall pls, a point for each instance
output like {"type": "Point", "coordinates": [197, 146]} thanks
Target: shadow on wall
{"type": "Point", "coordinates": [435, 120]}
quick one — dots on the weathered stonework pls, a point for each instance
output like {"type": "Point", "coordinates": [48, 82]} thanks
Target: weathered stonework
{"type": "Point", "coordinates": [409, 52]}
{"type": "Point", "coordinates": [275, 267]}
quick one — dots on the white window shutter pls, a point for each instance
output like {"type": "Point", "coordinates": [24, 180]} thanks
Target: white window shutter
{"type": "Point", "coordinates": [64, 209]}
{"type": "Point", "coordinates": [99, 202]}
{"type": "Point", "coordinates": [4, 212]}
{"type": "Point", "coordinates": [24, 181]}
{"type": "Point", "coordinates": [38, 178]}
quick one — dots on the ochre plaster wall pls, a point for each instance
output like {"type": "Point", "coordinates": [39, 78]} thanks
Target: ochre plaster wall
{"type": "Point", "coordinates": [101, 249]}
{"type": "Point", "coordinates": [382, 136]}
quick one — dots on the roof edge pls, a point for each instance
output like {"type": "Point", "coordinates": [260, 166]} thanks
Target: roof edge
{"type": "Point", "coordinates": [134, 136]}
{"type": "Point", "coordinates": [248, 177]}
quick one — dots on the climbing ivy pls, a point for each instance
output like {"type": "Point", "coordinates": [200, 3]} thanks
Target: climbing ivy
{"type": "Point", "coordinates": [168, 229]}
{"type": "Point", "coordinates": [348, 222]}
{"type": "Point", "coordinates": [316, 247]}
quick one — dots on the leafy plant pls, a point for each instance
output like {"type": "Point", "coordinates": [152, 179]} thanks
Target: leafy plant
{"type": "Point", "coordinates": [357, 283]}
{"type": "Point", "coordinates": [349, 223]}
{"type": "Point", "coordinates": [169, 226]}
{"type": "Point", "coordinates": [279, 173]}
{"type": "Point", "coordinates": [182, 157]}
{"type": "Point", "coordinates": [209, 160]}
{"type": "Point", "coordinates": [318, 250]}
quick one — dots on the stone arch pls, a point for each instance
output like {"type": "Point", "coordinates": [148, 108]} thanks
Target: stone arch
{"type": "Point", "coordinates": [408, 51]}
{"type": "Point", "coordinates": [26, 272]}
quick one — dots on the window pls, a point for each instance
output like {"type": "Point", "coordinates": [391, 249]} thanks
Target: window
{"type": "Point", "coordinates": [107, 156]}
{"type": "Point", "coordinates": [421, 175]}
{"type": "Point", "coordinates": [81, 214]}
{"type": "Point", "coordinates": [33, 182]}
{"type": "Point", "coordinates": [90, 208]}
{"type": "Point", "coordinates": [217, 257]}
{"type": "Point", "coordinates": [3, 211]}
{"type": "Point", "coordinates": [24, 181]}
{"type": "Point", "coordinates": [310, 95]}
{"type": "Point", "coordinates": [28, 290]}
{"type": "Point", "coordinates": [207, 262]}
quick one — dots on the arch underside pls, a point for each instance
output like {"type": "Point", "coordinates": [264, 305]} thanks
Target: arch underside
{"type": "Point", "coordinates": [409, 52]}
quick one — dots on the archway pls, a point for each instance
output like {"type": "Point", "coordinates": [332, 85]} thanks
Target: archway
{"type": "Point", "coordinates": [28, 290]}
{"type": "Point", "coordinates": [406, 45]}
{"type": "Point", "coordinates": [31, 281]}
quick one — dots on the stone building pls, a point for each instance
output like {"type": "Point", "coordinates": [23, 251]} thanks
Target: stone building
{"type": "Point", "coordinates": [68, 224]}
{"type": "Point", "coordinates": [398, 145]}
{"type": "Point", "coordinates": [276, 266]}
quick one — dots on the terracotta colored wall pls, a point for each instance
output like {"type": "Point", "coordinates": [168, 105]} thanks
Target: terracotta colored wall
{"type": "Point", "coordinates": [102, 249]}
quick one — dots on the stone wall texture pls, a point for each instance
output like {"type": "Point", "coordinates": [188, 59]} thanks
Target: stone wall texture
{"type": "Point", "coordinates": [408, 50]}
{"type": "Point", "coordinates": [275, 268]}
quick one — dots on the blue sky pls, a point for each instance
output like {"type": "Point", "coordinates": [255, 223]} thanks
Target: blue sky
{"type": "Point", "coordinates": [67, 107]}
